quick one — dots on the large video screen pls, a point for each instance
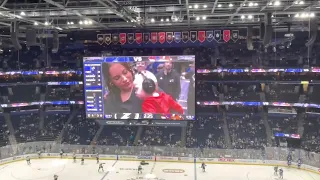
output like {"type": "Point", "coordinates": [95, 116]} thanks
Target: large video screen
{"type": "Point", "coordinates": [140, 87]}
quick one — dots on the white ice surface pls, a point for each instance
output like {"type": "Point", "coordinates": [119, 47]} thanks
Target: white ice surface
{"type": "Point", "coordinates": [44, 169]}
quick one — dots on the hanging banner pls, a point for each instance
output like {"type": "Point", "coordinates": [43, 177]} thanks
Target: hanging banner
{"type": "Point", "coordinates": [235, 35]}
{"type": "Point", "coordinates": [115, 38]}
{"type": "Point", "coordinates": [193, 36]}
{"type": "Point", "coordinates": [162, 38]}
{"type": "Point", "coordinates": [130, 38]}
{"type": "Point", "coordinates": [138, 38]}
{"type": "Point", "coordinates": [201, 36]}
{"type": "Point", "coordinates": [100, 38]}
{"type": "Point", "coordinates": [154, 38]}
{"type": "Point", "coordinates": [107, 39]}
{"type": "Point", "coordinates": [177, 37]}
{"type": "Point", "coordinates": [217, 35]}
{"type": "Point", "coordinates": [169, 37]}
{"type": "Point", "coordinates": [209, 35]}
{"type": "Point", "coordinates": [146, 37]}
{"type": "Point", "coordinates": [226, 35]}
{"type": "Point", "coordinates": [123, 38]}
{"type": "Point", "coordinates": [185, 36]}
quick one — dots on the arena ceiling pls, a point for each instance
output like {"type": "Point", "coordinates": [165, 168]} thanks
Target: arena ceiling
{"type": "Point", "coordinates": [77, 15]}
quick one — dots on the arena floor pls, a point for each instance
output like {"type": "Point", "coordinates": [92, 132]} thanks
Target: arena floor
{"type": "Point", "coordinates": [44, 169]}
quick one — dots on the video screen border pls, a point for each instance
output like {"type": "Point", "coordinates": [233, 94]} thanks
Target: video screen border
{"type": "Point", "coordinates": [134, 59]}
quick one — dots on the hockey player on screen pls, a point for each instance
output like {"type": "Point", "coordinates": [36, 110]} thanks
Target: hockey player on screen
{"type": "Point", "coordinates": [154, 101]}
{"type": "Point", "coordinates": [203, 167]}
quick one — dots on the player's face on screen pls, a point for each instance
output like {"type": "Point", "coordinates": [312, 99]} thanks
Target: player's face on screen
{"type": "Point", "coordinates": [168, 66]}
{"type": "Point", "coordinates": [120, 76]}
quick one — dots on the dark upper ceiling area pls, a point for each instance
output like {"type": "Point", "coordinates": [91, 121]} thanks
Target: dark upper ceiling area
{"type": "Point", "coordinates": [77, 15]}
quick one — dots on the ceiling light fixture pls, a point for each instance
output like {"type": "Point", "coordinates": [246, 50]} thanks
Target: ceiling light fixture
{"type": "Point", "coordinates": [277, 3]}
{"type": "Point", "coordinates": [152, 19]}
{"type": "Point", "coordinates": [197, 18]}
{"type": "Point", "coordinates": [204, 17]}
{"type": "Point", "coordinates": [219, 5]}
{"type": "Point", "coordinates": [242, 17]}
{"type": "Point", "coordinates": [196, 6]}
{"type": "Point", "coordinates": [22, 13]}
{"type": "Point", "coordinates": [35, 23]}
{"type": "Point", "coordinates": [230, 5]}
{"type": "Point", "coordinates": [250, 17]}
{"type": "Point", "coordinates": [167, 20]}
{"type": "Point", "coordinates": [250, 4]}
{"type": "Point", "coordinates": [205, 6]}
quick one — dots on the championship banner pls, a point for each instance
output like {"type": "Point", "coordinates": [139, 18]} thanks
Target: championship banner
{"type": "Point", "coordinates": [130, 38]}
{"type": "Point", "coordinates": [177, 37]}
{"type": "Point", "coordinates": [185, 36]}
{"type": "Point", "coordinates": [100, 38]}
{"type": "Point", "coordinates": [107, 39]}
{"type": "Point", "coordinates": [169, 37]}
{"type": "Point", "coordinates": [154, 38]}
{"type": "Point", "coordinates": [235, 35]}
{"type": "Point", "coordinates": [123, 38]}
{"type": "Point", "coordinates": [146, 37]}
{"type": "Point", "coordinates": [162, 38]}
{"type": "Point", "coordinates": [193, 36]}
{"type": "Point", "coordinates": [138, 38]}
{"type": "Point", "coordinates": [201, 36]}
{"type": "Point", "coordinates": [217, 35]}
{"type": "Point", "coordinates": [209, 35]}
{"type": "Point", "coordinates": [226, 35]}
{"type": "Point", "coordinates": [115, 38]}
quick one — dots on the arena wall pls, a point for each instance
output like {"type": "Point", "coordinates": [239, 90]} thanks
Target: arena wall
{"type": "Point", "coordinates": [255, 162]}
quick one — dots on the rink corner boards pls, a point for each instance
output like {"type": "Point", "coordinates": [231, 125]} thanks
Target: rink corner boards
{"type": "Point", "coordinates": [231, 161]}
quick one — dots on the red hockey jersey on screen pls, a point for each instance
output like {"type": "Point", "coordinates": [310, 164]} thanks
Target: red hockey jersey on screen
{"type": "Point", "coordinates": [163, 104]}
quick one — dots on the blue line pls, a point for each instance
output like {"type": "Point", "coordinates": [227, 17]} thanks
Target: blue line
{"type": "Point", "coordinates": [106, 174]}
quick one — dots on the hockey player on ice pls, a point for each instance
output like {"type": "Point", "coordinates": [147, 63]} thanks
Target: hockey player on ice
{"type": "Point", "coordinates": [281, 173]}
{"type": "Point", "coordinates": [28, 160]}
{"type": "Point", "coordinates": [275, 170]}
{"type": "Point", "coordinates": [101, 167]}
{"type": "Point", "coordinates": [74, 157]}
{"type": "Point", "coordinates": [299, 163]}
{"type": "Point", "coordinates": [97, 158]}
{"type": "Point", "coordinates": [39, 154]}
{"type": "Point", "coordinates": [203, 167]}
{"type": "Point", "coordinates": [82, 160]}
{"type": "Point", "coordinates": [55, 177]}
{"type": "Point", "coordinates": [139, 169]}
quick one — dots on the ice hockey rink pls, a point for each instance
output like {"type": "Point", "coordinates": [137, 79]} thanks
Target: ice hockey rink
{"type": "Point", "coordinates": [44, 169]}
